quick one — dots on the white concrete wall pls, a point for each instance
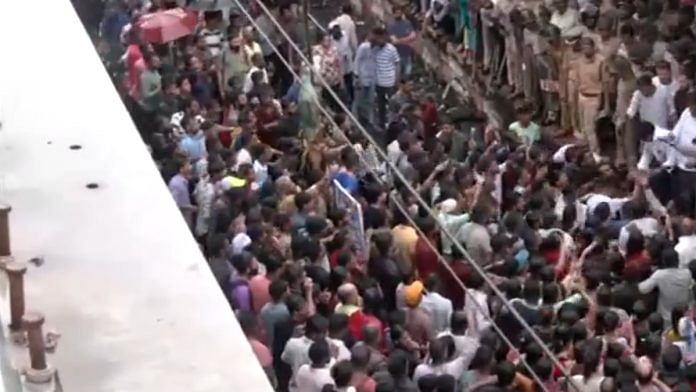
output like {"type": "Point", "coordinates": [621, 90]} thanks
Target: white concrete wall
{"type": "Point", "coordinates": [123, 280]}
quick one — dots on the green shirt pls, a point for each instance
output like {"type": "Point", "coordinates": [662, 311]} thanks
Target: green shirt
{"type": "Point", "coordinates": [529, 134]}
{"type": "Point", "coordinates": [151, 88]}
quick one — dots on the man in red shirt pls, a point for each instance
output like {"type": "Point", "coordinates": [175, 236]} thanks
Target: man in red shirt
{"type": "Point", "coordinates": [425, 258]}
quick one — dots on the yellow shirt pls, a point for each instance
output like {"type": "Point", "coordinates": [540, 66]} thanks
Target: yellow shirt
{"type": "Point", "coordinates": [405, 238]}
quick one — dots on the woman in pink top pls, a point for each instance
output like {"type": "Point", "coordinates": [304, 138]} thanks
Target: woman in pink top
{"type": "Point", "coordinates": [258, 285]}
{"type": "Point", "coordinates": [250, 326]}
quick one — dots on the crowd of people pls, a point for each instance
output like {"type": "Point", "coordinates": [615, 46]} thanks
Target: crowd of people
{"type": "Point", "coordinates": [404, 251]}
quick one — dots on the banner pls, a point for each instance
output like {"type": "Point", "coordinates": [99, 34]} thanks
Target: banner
{"type": "Point", "coordinates": [343, 199]}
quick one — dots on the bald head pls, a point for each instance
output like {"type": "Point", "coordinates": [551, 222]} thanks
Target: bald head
{"type": "Point", "coordinates": [644, 368]}
{"type": "Point", "coordinates": [348, 294]}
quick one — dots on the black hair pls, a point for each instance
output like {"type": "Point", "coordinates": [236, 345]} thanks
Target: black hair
{"type": "Point", "coordinates": [277, 289]}
{"type": "Point", "coordinates": [670, 258]}
{"type": "Point", "coordinates": [216, 244]}
{"type": "Point", "coordinates": [458, 322]}
{"type": "Point", "coordinates": [610, 320]}
{"type": "Point", "coordinates": [482, 358]}
{"type": "Point", "coordinates": [437, 351]}
{"type": "Point", "coordinates": [655, 322]}
{"type": "Point", "coordinates": [506, 373]}
{"type": "Point", "coordinates": [342, 373]}
{"type": "Point", "coordinates": [644, 80]}
{"type": "Point", "coordinates": [671, 358]}
{"type": "Point", "coordinates": [591, 359]}
{"type": "Point", "coordinates": [302, 199]}
{"type": "Point", "coordinates": [397, 364]}
{"type": "Point", "coordinates": [360, 356]}
{"type": "Point", "coordinates": [316, 324]}
{"type": "Point", "coordinates": [319, 353]}
{"type": "Point", "coordinates": [611, 367]}
{"type": "Point", "coordinates": [242, 262]}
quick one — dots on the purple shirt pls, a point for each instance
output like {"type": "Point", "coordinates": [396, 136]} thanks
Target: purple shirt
{"type": "Point", "coordinates": [241, 295]}
{"type": "Point", "coordinates": [178, 186]}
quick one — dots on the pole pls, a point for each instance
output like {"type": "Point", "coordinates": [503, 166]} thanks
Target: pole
{"type": "Point", "coordinates": [305, 19]}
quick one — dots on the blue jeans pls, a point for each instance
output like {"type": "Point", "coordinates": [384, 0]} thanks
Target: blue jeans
{"type": "Point", "coordinates": [406, 67]}
{"type": "Point", "coordinates": [364, 104]}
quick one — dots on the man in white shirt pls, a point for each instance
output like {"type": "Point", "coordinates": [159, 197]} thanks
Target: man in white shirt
{"type": "Point", "coordinates": [656, 144]}
{"type": "Point", "coordinates": [592, 200]}
{"type": "Point", "coordinates": [346, 53]}
{"type": "Point", "coordinates": [686, 245]}
{"type": "Point", "coordinates": [439, 307]}
{"type": "Point", "coordinates": [664, 77]}
{"type": "Point", "coordinates": [296, 351]}
{"type": "Point", "coordinates": [652, 103]}
{"type": "Point", "coordinates": [345, 21]}
{"type": "Point", "coordinates": [564, 17]}
{"type": "Point", "coordinates": [258, 66]}
{"type": "Point", "coordinates": [683, 157]}
{"type": "Point", "coordinates": [641, 221]}
{"type": "Point", "coordinates": [466, 346]}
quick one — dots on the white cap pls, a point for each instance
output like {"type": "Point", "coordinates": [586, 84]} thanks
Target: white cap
{"type": "Point", "coordinates": [239, 242]}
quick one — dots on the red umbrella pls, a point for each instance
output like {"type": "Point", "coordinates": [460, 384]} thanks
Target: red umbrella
{"type": "Point", "coordinates": [166, 26]}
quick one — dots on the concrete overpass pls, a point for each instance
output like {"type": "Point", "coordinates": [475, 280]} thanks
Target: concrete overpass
{"type": "Point", "coordinates": [117, 272]}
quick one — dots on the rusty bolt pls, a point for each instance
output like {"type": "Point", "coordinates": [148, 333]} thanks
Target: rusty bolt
{"type": "Point", "coordinates": [15, 274]}
{"type": "Point", "coordinates": [32, 322]}
{"type": "Point", "coordinates": [5, 230]}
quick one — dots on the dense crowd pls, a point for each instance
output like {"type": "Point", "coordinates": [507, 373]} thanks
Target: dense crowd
{"type": "Point", "coordinates": [406, 251]}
